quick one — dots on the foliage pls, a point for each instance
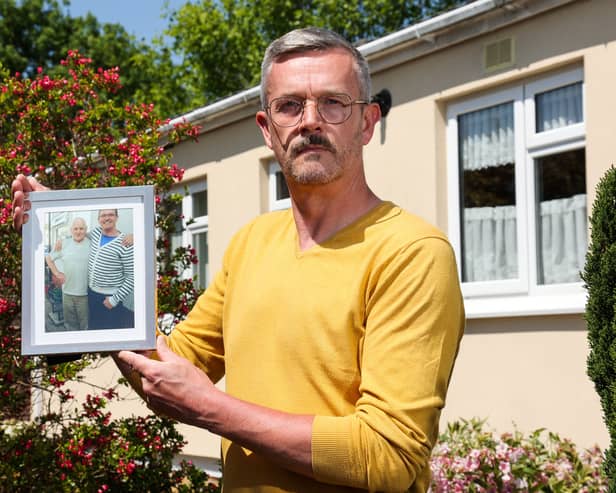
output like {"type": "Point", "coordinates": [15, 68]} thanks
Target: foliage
{"type": "Point", "coordinates": [39, 33]}
{"type": "Point", "coordinates": [229, 35]}
{"type": "Point", "coordinates": [84, 450]}
{"type": "Point", "coordinates": [600, 278]}
{"type": "Point", "coordinates": [69, 132]}
{"type": "Point", "coordinates": [232, 35]}
{"type": "Point", "coordinates": [470, 459]}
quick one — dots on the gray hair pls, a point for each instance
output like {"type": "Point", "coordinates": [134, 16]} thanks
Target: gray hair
{"type": "Point", "coordinates": [313, 39]}
{"type": "Point", "coordinates": [81, 220]}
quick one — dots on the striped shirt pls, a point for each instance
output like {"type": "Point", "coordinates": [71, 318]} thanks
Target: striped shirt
{"type": "Point", "coordinates": [111, 267]}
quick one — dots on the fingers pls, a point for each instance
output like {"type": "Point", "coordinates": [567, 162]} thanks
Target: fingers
{"type": "Point", "coordinates": [137, 362]}
{"type": "Point", "coordinates": [26, 184]}
{"type": "Point", "coordinates": [142, 362]}
{"type": "Point", "coordinates": [20, 188]}
{"type": "Point", "coordinates": [19, 217]}
{"type": "Point", "coordinates": [20, 184]}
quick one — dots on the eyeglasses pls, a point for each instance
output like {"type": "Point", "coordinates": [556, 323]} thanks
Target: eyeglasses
{"type": "Point", "coordinates": [287, 111]}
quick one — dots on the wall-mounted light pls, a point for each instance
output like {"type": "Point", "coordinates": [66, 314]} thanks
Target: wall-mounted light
{"type": "Point", "coordinates": [383, 99]}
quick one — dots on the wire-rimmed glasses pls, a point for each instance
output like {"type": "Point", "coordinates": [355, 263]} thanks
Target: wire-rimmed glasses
{"type": "Point", "coordinates": [287, 111]}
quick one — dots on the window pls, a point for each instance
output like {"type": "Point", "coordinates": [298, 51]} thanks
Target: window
{"type": "Point", "coordinates": [194, 208]}
{"type": "Point", "coordinates": [517, 189]}
{"type": "Point", "coordinates": [278, 191]}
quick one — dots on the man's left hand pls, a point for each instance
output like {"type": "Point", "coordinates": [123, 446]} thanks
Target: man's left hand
{"type": "Point", "coordinates": [128, 240]}
{"type": "Point", "coordinates": [172, 386]}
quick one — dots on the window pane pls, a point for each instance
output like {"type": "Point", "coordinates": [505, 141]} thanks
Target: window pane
{"type": "Point", "coordinates": [559, 107]}
{"type": "Point", "coordinates": [201, 269]}
{"type": "Point", "coordinates": [176, 236]}
{"type": "Point", "coordinates": [561, 216]}
{"type": "Point", "coordinates": [488, 209]}
{"type": "Point", "coordinates": [282, 192]}
{"type": "Point", "coordinates": [199, 201]}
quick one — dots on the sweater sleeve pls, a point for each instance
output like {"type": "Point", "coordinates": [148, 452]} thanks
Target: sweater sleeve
{"type": "Point", "coordinates": [413, 325]}
{"type": "Point", "coordinates": [127, 263]}
{"type": "Point", "coordinates": [199, 338]}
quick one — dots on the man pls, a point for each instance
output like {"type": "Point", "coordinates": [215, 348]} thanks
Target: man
{"type": "Point", "coordinates": [336, 323]}
{"type": "Point", "coordinates": [111, 275]}
{"type": "Point", "coordinates": [74, 275]}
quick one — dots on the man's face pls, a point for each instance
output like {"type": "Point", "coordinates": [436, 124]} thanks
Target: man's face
{"type": "Point", "coordinates": [314, 151]}
{"type": "Point", "coordinates": [78, 230]}
{"type": "Point", "coordinates": [107, 219]}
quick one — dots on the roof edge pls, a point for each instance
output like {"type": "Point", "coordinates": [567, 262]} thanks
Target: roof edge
{"type": "Point", "coordinates": [378, 48]}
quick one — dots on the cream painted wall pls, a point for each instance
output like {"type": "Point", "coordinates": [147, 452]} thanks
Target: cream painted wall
{"type": "Point", "coordinates": [530, 372]}
{"type": "Point", "coordinates": [600, 69]}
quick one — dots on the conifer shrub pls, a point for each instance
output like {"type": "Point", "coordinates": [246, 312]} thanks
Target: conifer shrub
{"type": "Point", "coordinates": [600, 279]}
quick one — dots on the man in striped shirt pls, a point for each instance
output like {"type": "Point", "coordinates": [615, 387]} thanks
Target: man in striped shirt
{"type": "Point", "coordinates": [110, 275]}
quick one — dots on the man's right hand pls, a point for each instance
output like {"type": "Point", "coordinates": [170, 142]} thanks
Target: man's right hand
{"type": "Point", "coordinates": [20, 188]}
{"type": "Point", "coordinates": [58, 280]}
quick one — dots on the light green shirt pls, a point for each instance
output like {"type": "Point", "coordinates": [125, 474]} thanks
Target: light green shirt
{"type": "Point", "coordinates": [72, 261]}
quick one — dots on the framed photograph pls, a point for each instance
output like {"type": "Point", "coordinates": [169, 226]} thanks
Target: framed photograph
{"type": "Point", "coordinates": [89, 271]}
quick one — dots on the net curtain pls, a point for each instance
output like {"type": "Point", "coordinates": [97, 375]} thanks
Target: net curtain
{"type": "Point", "coordinates": [486, 138]}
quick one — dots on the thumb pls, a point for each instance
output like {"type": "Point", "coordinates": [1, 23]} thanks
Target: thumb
{"type": "Point", "coordinates": [164, 353]}
{"type": "Point", "coordinates": [36, 186]}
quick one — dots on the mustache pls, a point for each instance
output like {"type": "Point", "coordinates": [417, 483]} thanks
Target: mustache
{"type": "Point", "coordinates": [310, 140]}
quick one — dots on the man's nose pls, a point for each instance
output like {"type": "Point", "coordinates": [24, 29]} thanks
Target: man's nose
{"type": "Point", "coordinates": [311, 117]}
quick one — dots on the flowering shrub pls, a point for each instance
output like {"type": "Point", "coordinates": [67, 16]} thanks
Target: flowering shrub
{"type": "Point", "coordinates": [470, 459]}
{"type": "Point", "coordinates": [85, 450]}
{"type": "Point", "coordinates": [68, 133]}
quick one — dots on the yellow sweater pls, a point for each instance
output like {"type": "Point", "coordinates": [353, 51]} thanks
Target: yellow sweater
{"type": "Point", "coordinates": [361, 330]}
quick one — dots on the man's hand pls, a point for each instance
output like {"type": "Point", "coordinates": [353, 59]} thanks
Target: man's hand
{"type": "Point", "coordinates": [58, 280]}
{"type": "Point", "coordinates": [20, 188]}
{"type": "Point", "coordinates": [172, 386]}
{"type": "Point", "coordinates": [107, 304]}
{"type": "Point", "coordinates": [176, 388]}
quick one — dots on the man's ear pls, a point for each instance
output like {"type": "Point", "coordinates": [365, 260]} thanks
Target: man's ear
{"type": "Point", "coordinates": [371, 116]}
{"type": "Point", "coordinates": [263, 123]}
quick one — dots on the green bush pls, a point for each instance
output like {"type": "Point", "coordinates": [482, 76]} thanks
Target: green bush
{"type": "Point", "coordinates": [600, 278]}
{"type": "Point", "coordinates": [469, 458]}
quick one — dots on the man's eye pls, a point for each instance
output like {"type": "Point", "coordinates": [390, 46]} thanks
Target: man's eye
{"type": "Point", "coordinates": [333, 101]}
{"type": "Point", "coordinates": [288, 107]}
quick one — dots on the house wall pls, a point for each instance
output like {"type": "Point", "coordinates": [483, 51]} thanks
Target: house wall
{"type": "Point", "coordinates": [527, 371]}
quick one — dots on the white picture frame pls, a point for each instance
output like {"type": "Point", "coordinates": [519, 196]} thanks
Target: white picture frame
{"type": "Point", "coordinates": [127, 318]}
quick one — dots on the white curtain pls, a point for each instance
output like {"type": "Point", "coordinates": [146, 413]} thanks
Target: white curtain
{"type": "Point", "coordinates": [490, 241]}
{"type": "Point", "coordinates": [563, 238]}
{"type": "Point", "coordinates": [486, 139]}
{"type": "Point", "coordinates": [559, 107]}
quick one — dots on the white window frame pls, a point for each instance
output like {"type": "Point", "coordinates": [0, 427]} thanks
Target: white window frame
{"type": "Point", "coordinates": [521, 296]}
{"type": "Point", "coordinates": [275, 204]}
{"type": "Point", "coordinates": [199, 224]}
